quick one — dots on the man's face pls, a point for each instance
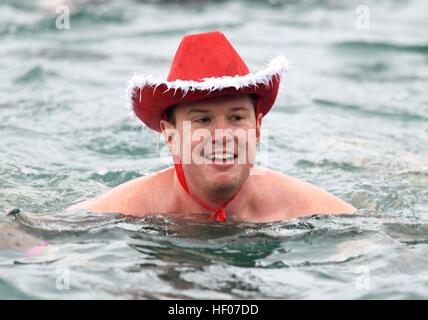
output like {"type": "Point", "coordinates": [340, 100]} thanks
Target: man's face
{"type": "Point", "coordinates": [216, 142]}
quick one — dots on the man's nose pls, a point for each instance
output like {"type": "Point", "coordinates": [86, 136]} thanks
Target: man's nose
{"type": "Point", "coordinates": [220, 123]}
{"type": "Point", "coordinates": [221, 131]}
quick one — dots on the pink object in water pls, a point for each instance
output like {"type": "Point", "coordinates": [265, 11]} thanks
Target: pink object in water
{"type": "Point", "coordinates": [37, 249]}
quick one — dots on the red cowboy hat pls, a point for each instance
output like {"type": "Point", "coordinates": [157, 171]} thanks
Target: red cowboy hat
{"type": "Point", "coordinates": [205, 65]}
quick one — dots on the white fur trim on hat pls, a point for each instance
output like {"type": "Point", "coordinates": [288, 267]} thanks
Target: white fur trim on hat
{"type": "Point", "coordinates": [278, 66]}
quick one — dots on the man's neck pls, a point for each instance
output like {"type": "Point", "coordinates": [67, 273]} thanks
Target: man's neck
{"type": "Point", "coordinates": [189, 203]}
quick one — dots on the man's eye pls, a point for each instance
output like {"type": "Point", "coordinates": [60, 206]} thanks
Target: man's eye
{"type": "Point", "coordinates": [202, 120]}
{"type": "Point", "coordinates": [237, 118]}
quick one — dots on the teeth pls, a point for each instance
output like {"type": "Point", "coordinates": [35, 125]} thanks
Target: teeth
{"type": "Point", "coordinates": [220, 156]}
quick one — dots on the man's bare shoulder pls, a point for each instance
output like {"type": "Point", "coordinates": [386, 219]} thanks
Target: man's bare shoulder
{"type": "Point", "coordinates": [299, 197]}
{"type": "Point", "coordinates": [134, 197]}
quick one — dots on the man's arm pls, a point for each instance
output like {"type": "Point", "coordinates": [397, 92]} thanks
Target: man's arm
{"type": "Point", "coordinates": [314, 200]}
{"type": "Point", "coordinates": [117, 200]}
{"type": "Point", "coordinates": [135, 197]}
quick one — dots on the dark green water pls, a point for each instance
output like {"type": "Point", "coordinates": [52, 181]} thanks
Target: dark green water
{"type": "Point", "coordinates": [352, 118]}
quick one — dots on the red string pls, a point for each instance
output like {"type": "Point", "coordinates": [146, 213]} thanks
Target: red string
{"type": "Point", "coordinates": [257, 110]}
{"type": "Point", "coordinates": [216, 213]}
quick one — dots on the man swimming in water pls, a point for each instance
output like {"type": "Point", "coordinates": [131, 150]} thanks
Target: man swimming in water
{"type": "Point", "coordinates": [210, 112]}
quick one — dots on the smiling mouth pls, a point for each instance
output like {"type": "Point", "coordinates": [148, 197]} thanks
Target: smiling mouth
{"type": "Point", "coordinates": [221, 157]}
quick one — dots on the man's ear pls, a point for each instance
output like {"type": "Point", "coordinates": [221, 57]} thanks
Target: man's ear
{"type": "Point", "coordinates": [170, 135]}
{"type": "Point", "coordinates": [258, 126]}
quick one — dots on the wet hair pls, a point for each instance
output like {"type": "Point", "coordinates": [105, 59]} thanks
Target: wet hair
{"type": "Point", "coordinates": [170, 112]}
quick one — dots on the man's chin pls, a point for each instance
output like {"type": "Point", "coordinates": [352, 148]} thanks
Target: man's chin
{"type": "Point", "coordinates": [225, 180]}
{"type": "Point", "coordinates": [231, 171]}
{"type": "Point", "coordinates": [214, 178]}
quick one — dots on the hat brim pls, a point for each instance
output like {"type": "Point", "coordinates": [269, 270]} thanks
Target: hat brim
{"type": "Point", "coordinates": [148, 98]}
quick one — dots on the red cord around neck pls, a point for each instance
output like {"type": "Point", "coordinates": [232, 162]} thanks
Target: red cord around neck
{"type": "Point", "coordinates": [218, 214]}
